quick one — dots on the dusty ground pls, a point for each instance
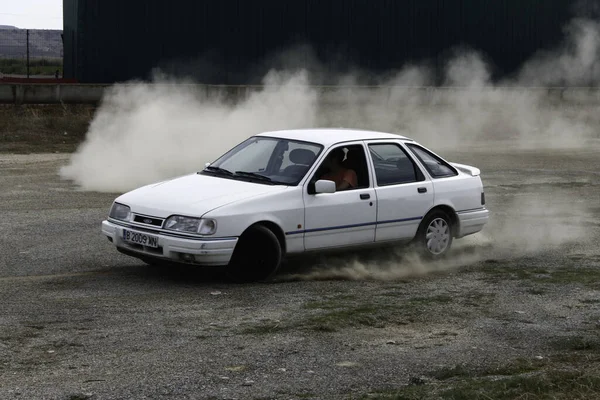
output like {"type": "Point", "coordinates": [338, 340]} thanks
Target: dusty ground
{"type": "Point", "coordinates": [515, 313]}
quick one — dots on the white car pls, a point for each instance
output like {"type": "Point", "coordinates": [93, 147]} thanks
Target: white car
{"type": "Point", "coordinates": [265, 199]}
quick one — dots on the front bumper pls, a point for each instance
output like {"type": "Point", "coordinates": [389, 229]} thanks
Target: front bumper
{"type": "Point", "coordinates": [200, 251]}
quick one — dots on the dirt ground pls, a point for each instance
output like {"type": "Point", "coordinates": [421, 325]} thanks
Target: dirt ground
{"type": "Point", "coordinates": [514, 313]}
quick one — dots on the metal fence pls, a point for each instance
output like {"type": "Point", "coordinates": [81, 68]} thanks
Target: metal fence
{"type": "Point", "coordinates": [31, 53]}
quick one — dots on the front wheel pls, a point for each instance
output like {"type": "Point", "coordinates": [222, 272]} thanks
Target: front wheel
{"type": "Point", "coordinates": [434, 237]}
{"type": "Point", "coordinates": [257, 256]}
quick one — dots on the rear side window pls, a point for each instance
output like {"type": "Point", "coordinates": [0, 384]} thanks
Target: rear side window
{"type": "Point", "coordinates": [437, 167]}
{"type": "Point", "coordinates": [393, 166]}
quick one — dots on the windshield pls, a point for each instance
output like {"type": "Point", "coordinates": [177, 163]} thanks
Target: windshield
{"type": "Point", "coordinates": [266, 159]}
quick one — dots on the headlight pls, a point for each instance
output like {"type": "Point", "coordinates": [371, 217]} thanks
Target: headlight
{"type": "Point", "coordinates": [119, 211]}
{"type": "Point", "coordinates": [191, 225]}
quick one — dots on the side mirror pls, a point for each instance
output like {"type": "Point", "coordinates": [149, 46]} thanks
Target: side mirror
{"type": "Point", "coordinates": [323, 186]}
{"type": "Point", "coordinates": [206, 165]}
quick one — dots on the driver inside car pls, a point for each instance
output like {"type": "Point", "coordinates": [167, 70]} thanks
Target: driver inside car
{"type": "Point", "coordinates": [344, 178]}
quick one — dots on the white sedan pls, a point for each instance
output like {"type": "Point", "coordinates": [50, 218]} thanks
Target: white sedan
{"type": "Point", "coordinates": [297, 191]}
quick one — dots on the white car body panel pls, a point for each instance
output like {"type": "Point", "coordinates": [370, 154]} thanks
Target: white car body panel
{"type": "Point", "coordinates": [339, 219]}
{"type": "Point", "coordinates": [284, 209]}
{"type": "Point", "coordinates": [457, 192]}
{"type": "Point", "coordinates": [400, 209]}
{"type": "Point", "coordinates": [191, 195]}
{"type": "Point", "coordinates": [303, 221]}
{"type": "Point", "coordinates": [467, 169]}
{"type": "Point", "coordinates": [207, 252]}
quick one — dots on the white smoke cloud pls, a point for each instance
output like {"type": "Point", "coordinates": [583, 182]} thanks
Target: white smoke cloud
{"type": "Point", "coordinates": [575, 63]}
{"type": "Point", "coordinates": [144, 133]}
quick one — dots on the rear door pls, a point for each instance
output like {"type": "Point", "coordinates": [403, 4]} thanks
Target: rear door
{"type": "Point", "coordinates": [404, 194]}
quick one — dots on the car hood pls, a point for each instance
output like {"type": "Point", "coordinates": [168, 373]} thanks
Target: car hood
{"type": "Point", "coordinates": [192, 195]}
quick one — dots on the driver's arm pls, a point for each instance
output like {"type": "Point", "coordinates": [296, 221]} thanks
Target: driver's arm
{"type": "Point", "coordinates": [349, 180]}
{"type": "Point", "coordinates": [343, 185]}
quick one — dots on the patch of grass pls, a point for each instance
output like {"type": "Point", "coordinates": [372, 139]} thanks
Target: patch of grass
{"type": "Point", "coordinates": [577, 343]}
{"type": "Point", "coordinates": [509, 272]}
{"type": "Point", "coordinates": [18, 66]}
{"type": "Point", "coordinates": [346, 311]}
{"type": "Point", "coordinates": [587, 276]}
{"type": "Point", "coordinates": [340, 312]}
{"type": "Point", "coordinates": [518, 366]}
{"type": "Point", "coordinates": [300, 395]}
{"type": "Point", "coordinates": [451, 372]}
{"type": "Point", "coordinates": [550, 385]}
{"type": "Point", "coordinates": [557, 384]}
{"type": "Point", "coordinates": [443, 299]}
{"type": "Point", "coordinates": [264, 329]}
{"type": "Point", "coordinates": [38, 327]}
{"type": "Point", "coordinates": [590, 301]}
{"type": "Point", "coordinates": [331, 303]}
{"type": "Point", "coordinates": [575, 358]}
{"type": "Point", "coordinates": [536, 291]}
{"type": "Point", "coordinates": [42, 127]}
{"type": "Point", "coordinates": [78, 397]}
{"type": "Point", "coordinates": [477, 299]}
{"type": "Point", "coordinates": [334, 320]}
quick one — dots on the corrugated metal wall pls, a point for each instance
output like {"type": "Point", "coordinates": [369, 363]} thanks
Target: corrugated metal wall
{"type": "Point", "coordinates": [70, 38]}
{"type": "Point", "coordinates": [228, 41]}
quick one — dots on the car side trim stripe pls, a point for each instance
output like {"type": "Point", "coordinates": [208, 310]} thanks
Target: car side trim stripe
{"type": "Point", "coordinates": [331, 228]}
{"type": "Point", "coordinates": [393, 221]}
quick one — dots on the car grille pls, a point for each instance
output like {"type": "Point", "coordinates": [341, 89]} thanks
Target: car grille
{"type": "Point", "coordinates": [142, 219]}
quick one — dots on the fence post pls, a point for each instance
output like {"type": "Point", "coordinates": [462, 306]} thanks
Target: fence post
{"type": "Point", "coordinates": [27, 53]}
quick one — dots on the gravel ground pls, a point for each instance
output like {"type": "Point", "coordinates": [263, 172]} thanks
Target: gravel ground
{"type": "Point", "coordinates": [80, 320]}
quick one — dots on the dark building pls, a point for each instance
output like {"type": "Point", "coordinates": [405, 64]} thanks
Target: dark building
{"type": "Point", "coordinates": [235, 41]}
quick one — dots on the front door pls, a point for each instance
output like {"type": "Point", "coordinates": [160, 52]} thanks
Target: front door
{"type": "Point", "coordinates": [346, 217]}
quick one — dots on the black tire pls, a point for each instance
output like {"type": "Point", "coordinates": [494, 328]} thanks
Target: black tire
{"type": "Point", "coordinates": [257, 256]}
{"type": "Point", "coordinates": [442, 231]}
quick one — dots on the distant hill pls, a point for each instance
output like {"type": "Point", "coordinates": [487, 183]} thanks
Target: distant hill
{"type": "Point", "coordinates": [42, 43]}
{"type": "Point", "coordinates": [8, 27]}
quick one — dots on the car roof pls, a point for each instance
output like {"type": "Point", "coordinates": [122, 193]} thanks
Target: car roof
{"type": "Point", "coordinates": [330, 136]}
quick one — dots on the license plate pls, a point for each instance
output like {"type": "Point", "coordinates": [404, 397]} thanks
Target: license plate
{"type": "Point", "coordinates": [140, 238]}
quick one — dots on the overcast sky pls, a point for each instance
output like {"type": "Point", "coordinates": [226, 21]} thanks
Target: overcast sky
{"type": "Point", "coordinates": [32, 14]}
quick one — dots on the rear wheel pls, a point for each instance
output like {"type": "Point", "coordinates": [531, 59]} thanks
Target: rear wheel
{"type": "Point", "coordinates": [256, 257]}
{"type": "Point", "coordinates": [434, 237]}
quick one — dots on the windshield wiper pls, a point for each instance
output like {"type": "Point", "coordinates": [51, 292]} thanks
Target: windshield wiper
{"type": "Point", "coordinates": [254, 175]}
{"type": "Point", "coordinates": [218, 170]}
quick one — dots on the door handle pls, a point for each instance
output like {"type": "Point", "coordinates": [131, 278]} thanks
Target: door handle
{"type": "Point", "coordinates": [365, 196]}
{"type": "Point", "coordinates": [422, 190]}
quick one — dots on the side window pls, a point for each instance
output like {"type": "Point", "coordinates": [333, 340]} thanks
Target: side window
{"type": "Point", "coordinates": [345, 163]}
{"type": "Point", "coordinates": [435, 165]}
{"type": "Point", "coordinates": [392, 165]}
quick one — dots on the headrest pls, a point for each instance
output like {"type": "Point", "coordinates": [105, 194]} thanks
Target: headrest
{"type": "Point", "coordinates": [302, 156]}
